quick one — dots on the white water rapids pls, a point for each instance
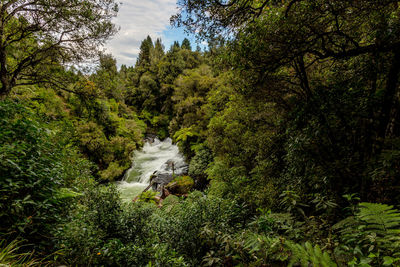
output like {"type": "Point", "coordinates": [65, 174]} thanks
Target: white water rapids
{"type": "Point", "coordinates": [153, 157]}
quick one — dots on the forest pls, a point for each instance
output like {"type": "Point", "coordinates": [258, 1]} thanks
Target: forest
{"type": "Point", "coordinates": [289, 121]}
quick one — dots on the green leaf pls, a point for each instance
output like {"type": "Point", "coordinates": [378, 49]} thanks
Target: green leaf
{"type": "Point", "coordinates": [387, 261]}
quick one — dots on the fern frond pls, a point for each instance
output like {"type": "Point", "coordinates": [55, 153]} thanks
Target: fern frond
{"type": "Point", "coordinates": [373, 230]}
{"type": "Point", "coordinates": [309, 255]}
{"type": "Point", "coordinates": [379, 218]}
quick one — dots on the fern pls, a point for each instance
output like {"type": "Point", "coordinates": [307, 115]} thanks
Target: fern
{"type": "Point", "coordinates": [372, 220]}
{"type": "Point", "coordinates": [309, 255]}
{"type": "Point", "coordinates": [380, 218]}
{"type": "Point", "coordinates": [372, 234]}
{"type": "Point", "coordinates": [184, 133]}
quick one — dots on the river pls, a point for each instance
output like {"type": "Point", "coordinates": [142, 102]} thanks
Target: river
{"type": "Point", "coordinates": [153, 157]}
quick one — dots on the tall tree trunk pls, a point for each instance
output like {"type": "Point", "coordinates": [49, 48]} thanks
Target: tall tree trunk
{"type": "Point", "coordinates": [390, 93]}
{"type": "Point", "coordinates": [4, 81]}
{"type": "Point", "coordinates": [5, 86]}
{"type": "Point", "coordinates": [392, 129]}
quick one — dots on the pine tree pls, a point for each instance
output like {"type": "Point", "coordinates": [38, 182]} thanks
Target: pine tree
{"type": "Point", "coordinates": [186, 44]}
{"type": "Point", "coordinates": [175, 47]}
{"type": "Point", "coordinates": [145, 50]}
{"type": "Point", "coordinates": [157, 53]}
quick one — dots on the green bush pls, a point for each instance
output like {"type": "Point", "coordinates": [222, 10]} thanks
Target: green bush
{"type": "Point", "coordinates": [148, 197]}
{"type": "Point", "coordinates": [104, 232]}
{"type": "Point", "coordinates": [32, 170]}
{"type": "Point", "coordinates": [180, 227]}
{"type": "Point", "coordinates": [198, 166]}
{"type": "Point", "coordinates": [199, 163]}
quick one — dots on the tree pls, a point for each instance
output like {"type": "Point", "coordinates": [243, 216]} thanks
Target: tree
{"type": "Point", "coordinates": [300, 34]}
{"type": "Point", "coordinates": [144, 55]}
{"type": "Point", "coordinates": [37, 36]}
{"type": "Point", "coordinates": [107, 79]}
{"type": "Point", "coordinates": [186, 44]}
{"type": "Point", "coordinates": [157, 53]}
{"type": "Point", "coordinates": [333, 66]}
{"type": "Point", "coordinates": [175, 46]}
{"type": "Point", "coordinates": [190, 94]}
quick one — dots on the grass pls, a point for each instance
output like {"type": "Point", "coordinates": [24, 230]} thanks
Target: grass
{"type": "Point", "coordinates": [10, 255]}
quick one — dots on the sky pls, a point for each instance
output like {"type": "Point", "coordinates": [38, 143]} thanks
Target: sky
{"type": "Point", "coordinates": [139, 18]}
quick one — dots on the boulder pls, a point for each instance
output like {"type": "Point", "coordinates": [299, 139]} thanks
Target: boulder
{"type": "Point", "coordinates": [160, 180]}
{"type": "Point", "coordinates": [169, 170]}
{"type": "Point", "coordinates": [150, 138]}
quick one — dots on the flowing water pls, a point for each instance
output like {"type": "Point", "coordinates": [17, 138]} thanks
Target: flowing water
{"type": "Point", "coordinates": [152, 158]}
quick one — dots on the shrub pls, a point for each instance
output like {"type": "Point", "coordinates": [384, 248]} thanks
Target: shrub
{"type": "Point", "coordinates": [198, 166]}
{"type": "Point", "coordinates": [200, 161]}
{"type": "Point", "coordinates": [180, 227]}
{"type": "Point", "coordinates": [104, 232]}
{"type": "Point", "coordinates": [31, 173]}
{"type": "Point", "coordinates": [148, 197]}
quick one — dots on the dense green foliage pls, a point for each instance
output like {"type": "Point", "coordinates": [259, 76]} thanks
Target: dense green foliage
{"type": "Point", "coordinates": [311, 101]}
{"type": "Point", "coordinates": [35, 175]}
{"type": "Point", "coordinates": [36, 36]}
{"type": "Point", "coordinates": [289, 123]}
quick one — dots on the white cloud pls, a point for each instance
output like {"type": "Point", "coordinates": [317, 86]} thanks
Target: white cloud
{"type": "Point", "coordinates": [137, 19]}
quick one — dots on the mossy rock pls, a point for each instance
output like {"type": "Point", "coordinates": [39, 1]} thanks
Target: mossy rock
{"type": "Point", "coordinates": [180, 185]}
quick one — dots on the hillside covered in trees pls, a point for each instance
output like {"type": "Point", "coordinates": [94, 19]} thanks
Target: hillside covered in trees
{"type": "Point", "coordinates": [289, 122]}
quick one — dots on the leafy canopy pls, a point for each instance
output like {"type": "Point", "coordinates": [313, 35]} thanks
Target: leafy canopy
{"type": "Point", "coordinates": [36, 36]}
